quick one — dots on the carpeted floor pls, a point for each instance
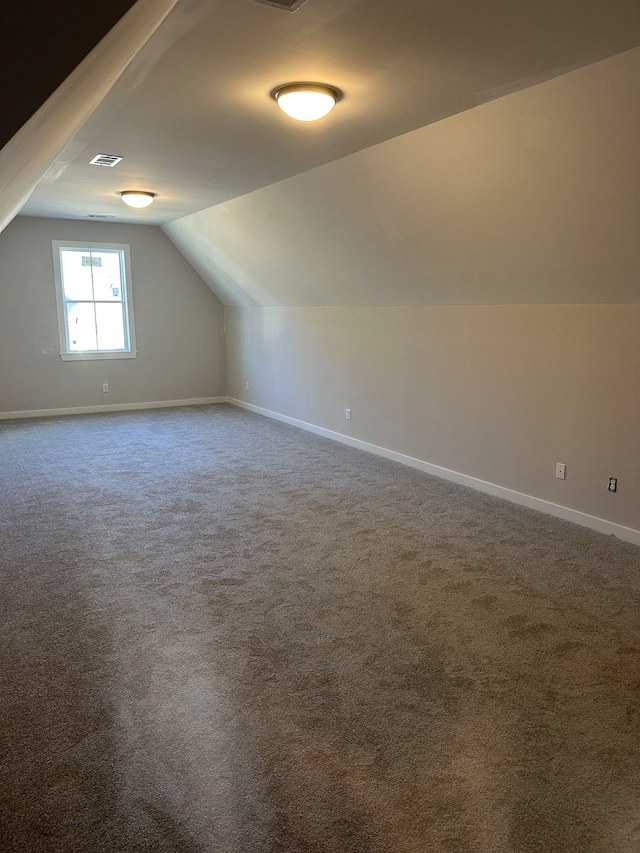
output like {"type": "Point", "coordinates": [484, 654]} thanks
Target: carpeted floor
{"type": "Point", "coordinates": [221, 634]}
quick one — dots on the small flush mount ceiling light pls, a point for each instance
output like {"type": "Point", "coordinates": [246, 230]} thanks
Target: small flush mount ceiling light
{"type": "Point", "coordinates": [306, 101]}
{"type": "Point", "coordinates": [137, 198]}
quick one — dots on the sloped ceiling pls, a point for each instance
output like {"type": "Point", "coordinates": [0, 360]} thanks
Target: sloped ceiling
{"type": "Point", "coordinates": [193, 118]}
{"type": "Point", "coordinates": [351, 210]}
{"type": "Point", "coordinates": [532, 198]}
{"type": "Point", "coordinates": [37, 150]}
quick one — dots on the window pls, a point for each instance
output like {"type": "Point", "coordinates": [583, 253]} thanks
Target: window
{"type": "Point", "coordinates": [95, 306]}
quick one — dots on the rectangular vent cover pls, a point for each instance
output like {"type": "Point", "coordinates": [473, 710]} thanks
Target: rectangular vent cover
{"type": "Point", "coordinates": [105, 160]}
{"type": "Point", "coordinates": [101, 215]}
{"type": "Point", "coordinates": [287, 5]}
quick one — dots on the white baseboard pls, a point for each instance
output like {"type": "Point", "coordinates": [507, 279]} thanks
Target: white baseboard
{"type": "Point", "coordinates": [629, 534]}
{"type": "Point", "coordinates": [111, 407]}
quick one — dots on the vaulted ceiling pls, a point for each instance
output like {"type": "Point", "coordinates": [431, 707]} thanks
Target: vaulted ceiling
{"type": "Point", "coordinates": [191, 113]}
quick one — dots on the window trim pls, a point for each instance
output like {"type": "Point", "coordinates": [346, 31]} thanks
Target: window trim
{"type": "Point", "coordinates": [127, 302]}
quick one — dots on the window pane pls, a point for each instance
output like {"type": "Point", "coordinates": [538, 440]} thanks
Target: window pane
{"type": "Point", "coordinates": [82, 326]}
{"type": "Point", "coordinates": [76, 275]}
{"type": "Point", "coordinates": [107, 285]}
{"type": "Point", "coordinates": [93, 299]}
{"type": "Point", "coordinates": [110, 326]}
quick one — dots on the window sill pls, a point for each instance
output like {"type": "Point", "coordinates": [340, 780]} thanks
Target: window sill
{"type": "Point", "coordinates": [95, 356]}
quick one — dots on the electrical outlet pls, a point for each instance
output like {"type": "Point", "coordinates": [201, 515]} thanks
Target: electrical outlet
{"type": "Point", "coordinates": [561, 469]}
{"type": "Point", "coordinates": [613, 484]}
{"type": "Point", "coordinates": [246, 386]}
{"type": "Point", "coordinates": [347, 414]}
{"type": "Point", "coordinates": [105, 386]}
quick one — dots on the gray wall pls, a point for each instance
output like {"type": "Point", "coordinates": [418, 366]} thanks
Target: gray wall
{"type": "Point", "coordinates": [179, 323]}
{"type": "Point", "coordinates": [469, 289]}
{"type": "Point", "coordinates": [499, 393]}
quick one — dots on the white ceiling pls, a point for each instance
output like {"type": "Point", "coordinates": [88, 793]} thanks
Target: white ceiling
{"type": "Point", "coordinates": [193, 118]}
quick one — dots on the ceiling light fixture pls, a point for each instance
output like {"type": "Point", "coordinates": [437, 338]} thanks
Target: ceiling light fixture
{"type": "Point", "coordinates": [306, 101]}
{"type": "Point", "coordinates": [137, 198]}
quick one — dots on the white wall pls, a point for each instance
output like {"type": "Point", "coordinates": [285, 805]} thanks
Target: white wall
{"type": "Point", "coordinates": [179, 324]}
{"type": "Point", "coordinates": [469, 289]}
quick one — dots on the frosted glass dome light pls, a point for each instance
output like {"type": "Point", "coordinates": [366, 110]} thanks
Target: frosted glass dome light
{"type": "Point", "coordinates": [306, 101]}
{"type": "Point", "coordinates": [137, 198]}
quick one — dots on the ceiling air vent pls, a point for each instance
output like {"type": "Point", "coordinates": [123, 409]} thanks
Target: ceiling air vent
{"type": "Point", "coordinates": [287, 5]}
{"type": "Point", "coordinates": [101, 215]}
{"type": "Point", "coordinates": [105, 160]}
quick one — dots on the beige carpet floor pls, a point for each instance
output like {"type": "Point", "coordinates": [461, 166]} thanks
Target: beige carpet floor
{"type": "Point", "coordinates": [221, 634]}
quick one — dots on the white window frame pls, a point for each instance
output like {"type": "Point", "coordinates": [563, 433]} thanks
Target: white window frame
{"type": "Point", "coordinates": [66, 354]}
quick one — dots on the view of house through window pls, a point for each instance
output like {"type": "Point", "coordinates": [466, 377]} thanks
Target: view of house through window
{"type": "Point", "coordinates": [95, 310]}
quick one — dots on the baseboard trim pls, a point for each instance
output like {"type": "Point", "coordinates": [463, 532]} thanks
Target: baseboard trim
{"type": "Point", "coordinates": [601, 525]}
{"type": "Point", "coordinates": [112, 407]}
